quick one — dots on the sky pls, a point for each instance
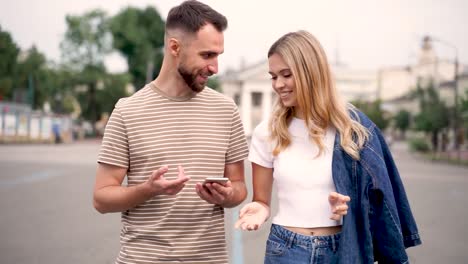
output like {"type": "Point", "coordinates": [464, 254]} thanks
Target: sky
{"type": "Point", "coordinates": [363, 34]}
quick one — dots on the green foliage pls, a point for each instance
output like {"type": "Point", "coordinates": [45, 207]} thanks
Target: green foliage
{"type": "Point", "coordinates": [402, 120]}
{"type": "Point", "coordinates": [434, 114]}
{"type": "Point", "coordinates": [464, 112]}
{"type": "Point", "coordinates": [374, 111]}
{"type": "Point", "coordinates": [139, 35]}
{"type": "Point", "coordinates": [101, 97]}
{"type": "Point", "coordinates": [31, 76]}
{"type": "Point", "coordinates": [419, 145]}
{"type": "Point", "coordinates": [58, 87]}
{"type": "Point", "coordinates": [114, 88]}
{"type": "Point", "coordinates": [67, 104]}
{"type": "Point", "coordinates": [213, 83]}
{"type": "Point", "coordinates": [87, 39]}
{"type": "Point", "coordinates": [8, 55]}
{"type": "Point", "coordinates": [28, 77]}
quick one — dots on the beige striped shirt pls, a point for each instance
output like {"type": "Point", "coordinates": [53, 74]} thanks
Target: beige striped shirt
{"type": "Point", "coordinates": [202, 133]}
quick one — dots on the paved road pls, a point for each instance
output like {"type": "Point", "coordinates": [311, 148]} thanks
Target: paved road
{"type": "Point", "coordinates": [47, 216]}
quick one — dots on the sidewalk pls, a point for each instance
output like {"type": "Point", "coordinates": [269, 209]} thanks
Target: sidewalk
{"type": "Point", "coordinates": [447, 156]}
{"type": "Point", "coordinates": [460, 156]}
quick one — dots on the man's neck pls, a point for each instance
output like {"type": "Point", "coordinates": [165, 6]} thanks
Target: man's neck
{"type": "Point", "coordinates": [172, 84]}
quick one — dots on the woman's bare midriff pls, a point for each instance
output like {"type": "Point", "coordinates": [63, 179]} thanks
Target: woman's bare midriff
{"type": "Point", "coordinates": [316, 231]}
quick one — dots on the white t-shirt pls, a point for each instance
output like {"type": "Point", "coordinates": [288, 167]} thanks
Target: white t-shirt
{"type": "Point", "coordinates": [302, 179]}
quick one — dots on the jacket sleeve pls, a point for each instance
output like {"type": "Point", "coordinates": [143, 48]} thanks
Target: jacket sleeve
{"type": "Point", "coordinates": [392, 223]}
{"type": "Point", "coordinates": [408, 224]}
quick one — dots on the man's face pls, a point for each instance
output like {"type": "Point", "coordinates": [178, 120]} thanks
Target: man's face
{"type": "Point", "coordinates": [199, 57]}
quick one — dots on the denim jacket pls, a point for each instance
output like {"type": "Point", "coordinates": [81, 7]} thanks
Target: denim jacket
{"type": "Point", "coordinates": [379, 225]}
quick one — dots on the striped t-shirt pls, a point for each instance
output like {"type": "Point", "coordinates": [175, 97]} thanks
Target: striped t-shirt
{"type": "Point", "coordinates": [202, 132]}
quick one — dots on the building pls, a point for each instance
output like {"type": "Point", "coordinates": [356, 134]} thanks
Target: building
{"type": "Point", "coordinates": [250, 86]}
{"type": "Point", "coordinates": [251, 89]}
{"type": "Point", "coordinates": [397, 83]}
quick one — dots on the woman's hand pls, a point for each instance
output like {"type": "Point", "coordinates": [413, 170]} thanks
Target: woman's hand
{"type": "Point", "coordinates": [252, 216]}
{"type": "Point", "coordinates": [338, 205]}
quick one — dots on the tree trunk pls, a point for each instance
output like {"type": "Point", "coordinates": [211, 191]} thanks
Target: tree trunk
{"type": "Point", "coordinates": [435, 141]}
{"type": "Point", "coordinates": [92, 106]}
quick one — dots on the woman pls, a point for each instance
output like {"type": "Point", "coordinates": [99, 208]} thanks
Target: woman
{"type": "Point", "coordinates": [322, 154]}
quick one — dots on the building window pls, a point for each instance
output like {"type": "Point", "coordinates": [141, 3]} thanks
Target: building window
{"type": "Point", "coordinates": [256, 99]}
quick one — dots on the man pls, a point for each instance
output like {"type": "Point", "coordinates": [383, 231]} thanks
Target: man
{"type": "Point", "coordinates": [167, 138]}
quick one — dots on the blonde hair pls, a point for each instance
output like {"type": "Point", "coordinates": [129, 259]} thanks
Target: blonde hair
{"type": "Point", "coordinates": [316, 96]}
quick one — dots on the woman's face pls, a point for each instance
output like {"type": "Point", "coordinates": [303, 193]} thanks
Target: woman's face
{"type": "Point", "coordinates": [282, 80]}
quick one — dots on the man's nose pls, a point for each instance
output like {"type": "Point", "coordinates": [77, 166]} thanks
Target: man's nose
{"type": "Point", "coordinates": [213, 67]}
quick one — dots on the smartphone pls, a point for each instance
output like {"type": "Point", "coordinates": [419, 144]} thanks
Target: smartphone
{"type": "Point", "coordinates": [220, 180]}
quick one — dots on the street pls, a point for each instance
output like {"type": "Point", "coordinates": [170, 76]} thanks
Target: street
{"type": "Point", "coordinates": [47, 213]}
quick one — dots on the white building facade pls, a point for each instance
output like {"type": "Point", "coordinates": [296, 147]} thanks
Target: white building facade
{"type": "Point", "coordinates": [252, 91]}
{"type": "Point", "coordinates": [250, 87]}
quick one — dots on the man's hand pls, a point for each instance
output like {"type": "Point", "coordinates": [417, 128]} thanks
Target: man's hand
{"type": "Point", "coordinates": [215, 193]}
{"type": "Point", "coordinates": [157, 184]}
{"type": "Point", "coordinates": [252, 216]}
{"type": "Point", "coordinates": [338, 205]}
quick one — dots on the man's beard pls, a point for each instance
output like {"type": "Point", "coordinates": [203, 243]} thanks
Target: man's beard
{"type": "Point", "coordinates": [190, 80]}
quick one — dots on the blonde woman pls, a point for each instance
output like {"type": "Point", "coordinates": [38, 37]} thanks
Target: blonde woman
{"type": "Point", "coordinates": [340, 197]}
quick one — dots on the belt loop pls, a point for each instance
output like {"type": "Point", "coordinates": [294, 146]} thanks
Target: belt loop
{"type": "Point", "coordinates": [291, 239]}
{"type": "Point", "coordinates": [333, 243]}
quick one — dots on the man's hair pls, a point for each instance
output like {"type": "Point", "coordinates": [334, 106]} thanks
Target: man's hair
{"type": "Point", "coordinates": [191, 15]}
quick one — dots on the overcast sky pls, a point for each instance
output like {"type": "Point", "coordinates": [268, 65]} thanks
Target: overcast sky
{"type": "Point", "coordinates": [366, 34]}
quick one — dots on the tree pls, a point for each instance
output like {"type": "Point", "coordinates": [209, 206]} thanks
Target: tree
{"type": "Point", "coordinates": [402, 121]}
{"type": "Point", "coordinates": [31, 78]}
{"type": "Point", "coordinates": [139, 36]}
{"type": "Point", "coordinates": [8, 57]}
{"type": "Point", "coordinates": [433, 115]}
{"type": "Point", "coordinates": [114, 88]}
{"type": "Point", "coordinates": [59, 82]}
{"type": "Point", "coordinates": [374, 111]}
{"type": "Point", "coordinates": [464, 112]}
{"type": "Point", "coordinates": [87, 41]}
{"type": "Point", "coordinates": [213, 83]}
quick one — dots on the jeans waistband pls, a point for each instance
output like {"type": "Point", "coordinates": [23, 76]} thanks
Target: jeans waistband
{"type": "Point", "coordinates": [331, 241]}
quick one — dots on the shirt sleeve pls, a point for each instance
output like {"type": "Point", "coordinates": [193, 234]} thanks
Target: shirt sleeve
{"type": "Point", "coordinates": [260, 147]}
{"type": "Point", "coordinates": [238, 148]}
{"type": "Point", "coordinates": [114, 147]}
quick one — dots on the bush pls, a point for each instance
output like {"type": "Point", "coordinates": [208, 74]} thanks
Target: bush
{"type": "Point", "coordinates": [419, 145]}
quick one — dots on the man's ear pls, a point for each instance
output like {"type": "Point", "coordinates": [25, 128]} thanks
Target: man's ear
{"type": "Point", "coordinates": [174, 46]}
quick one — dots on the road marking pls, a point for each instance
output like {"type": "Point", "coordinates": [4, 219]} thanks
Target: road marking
{"type": "Point", "coordinates": [36, 177]}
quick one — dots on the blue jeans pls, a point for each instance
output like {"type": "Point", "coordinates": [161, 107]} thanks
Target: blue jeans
{"type": "Point", "coordinates": [286, 247]}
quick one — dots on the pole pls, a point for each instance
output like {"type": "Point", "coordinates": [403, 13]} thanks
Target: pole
{"type": "Point", "coordinates": [31, 91]}
{"type": "Point", "coordinates": [455, 125]}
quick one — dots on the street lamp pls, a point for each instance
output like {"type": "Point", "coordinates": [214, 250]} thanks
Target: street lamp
{"type": "Point", "coordinates": [455, 91]}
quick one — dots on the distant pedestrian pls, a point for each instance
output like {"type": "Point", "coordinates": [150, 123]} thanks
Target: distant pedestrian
{"type": "Point", "coordinates": [57, 133]}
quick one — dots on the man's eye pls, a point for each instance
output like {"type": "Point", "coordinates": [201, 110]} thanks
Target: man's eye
{"type": "Point", "coordinates": [208, 55]}
{"type": "Point", "coordinates": [274, 77]}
